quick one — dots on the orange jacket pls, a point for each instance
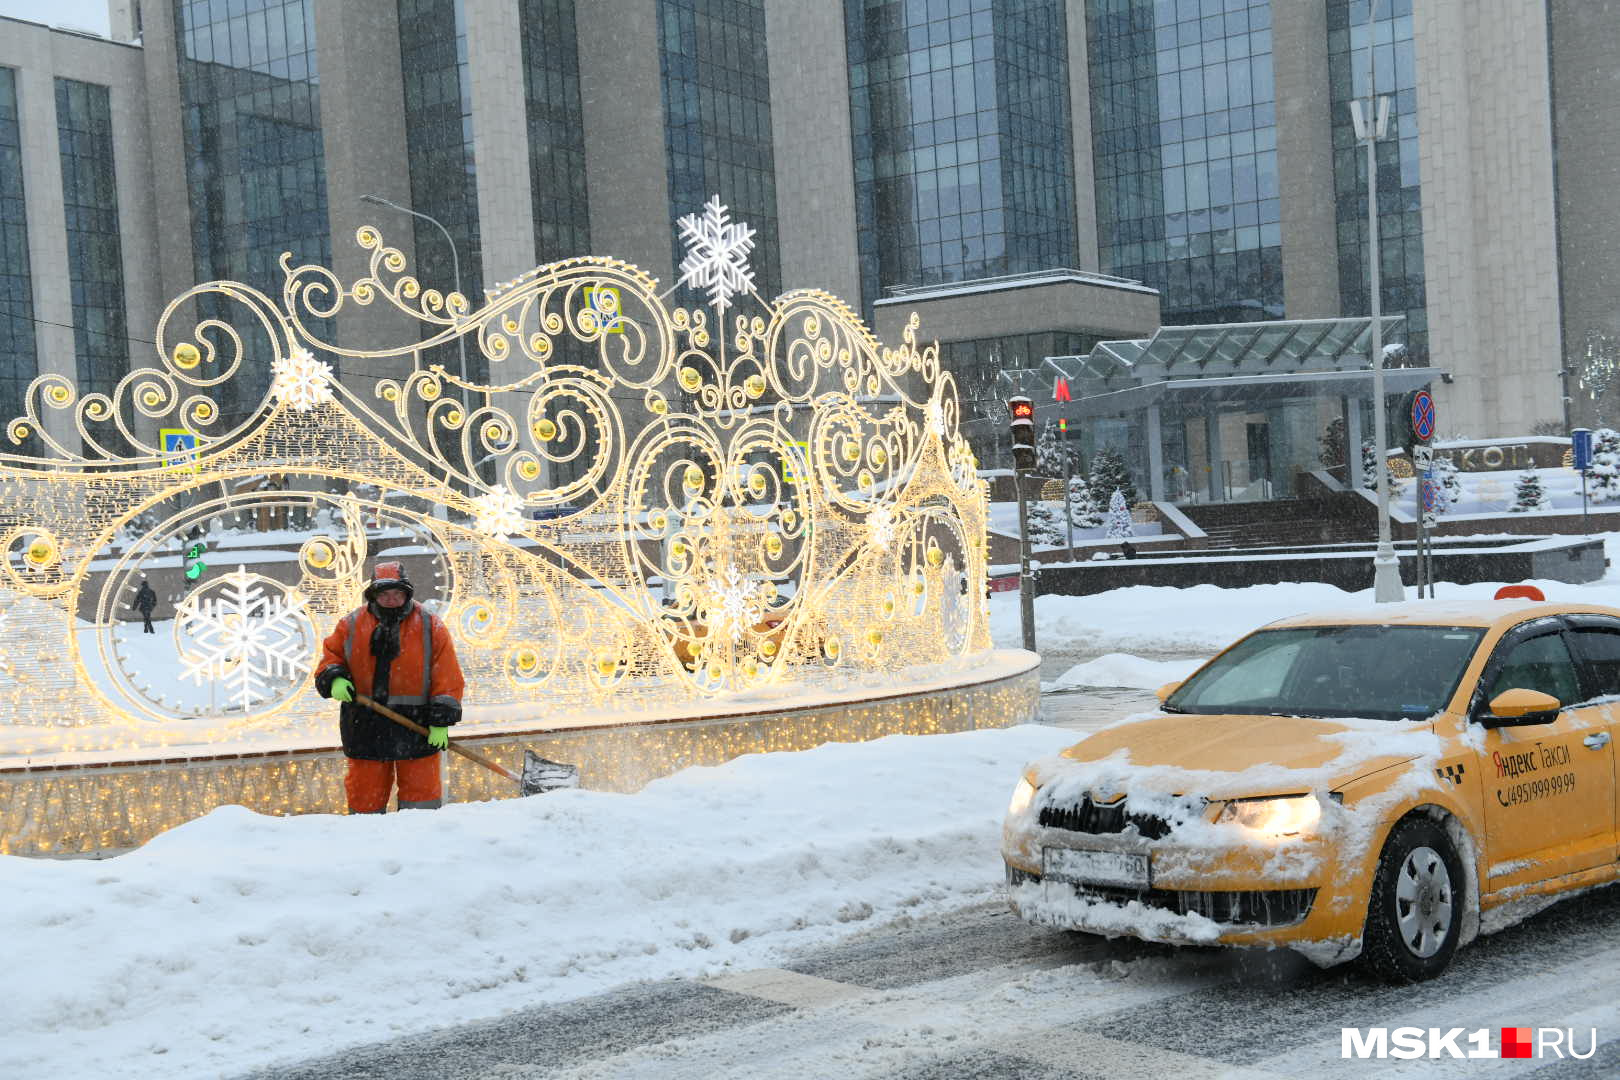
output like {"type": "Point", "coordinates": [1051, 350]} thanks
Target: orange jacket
{"type": "Point", "coordinates": [425, 672]}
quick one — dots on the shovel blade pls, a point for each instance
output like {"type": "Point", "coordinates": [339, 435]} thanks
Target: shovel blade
{"type": "Point", "coordinates": [540, 775]}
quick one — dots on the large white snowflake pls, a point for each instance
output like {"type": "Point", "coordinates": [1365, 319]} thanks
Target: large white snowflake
{"type": "Point", "coordinates": [499, 513]}
{"type": "Point", "coordinates": [248, 635]}
{"type": "Point", "coordinates": [936, 418]}
{"type": "Point", "coordinates": [735, 603]}
{"type": "Point", "coordinates": [300, 380]}
{"type": "Point", "coordinates": [717, 253]}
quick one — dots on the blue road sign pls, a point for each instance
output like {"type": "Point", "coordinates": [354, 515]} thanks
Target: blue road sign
{"type": "Point", "coordinates": [1580, 444]}
{"type": "Point", "coordinates": [1431, 492]}
{"type": "Point", "coordinates": [1423, 415]}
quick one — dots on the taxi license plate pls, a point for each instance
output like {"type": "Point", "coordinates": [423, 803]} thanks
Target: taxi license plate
{"type": "Point", "coordinates": [1122, 868]}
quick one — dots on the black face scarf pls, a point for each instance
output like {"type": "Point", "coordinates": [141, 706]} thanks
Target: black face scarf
{"type": "Point", "coordinates": [385, 644]}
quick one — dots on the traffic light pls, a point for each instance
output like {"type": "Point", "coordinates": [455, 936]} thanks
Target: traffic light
{"type": "Point", "coordinates": [194, 562]}
{"type": "Point", "coordinates": [1023, 433]}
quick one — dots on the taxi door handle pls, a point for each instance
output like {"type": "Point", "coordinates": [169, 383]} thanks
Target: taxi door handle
{"type": "Point", "coordinates": [1597, 741]}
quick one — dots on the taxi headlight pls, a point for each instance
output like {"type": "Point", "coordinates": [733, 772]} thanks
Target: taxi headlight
{"type": "Point", "coordinates": [1285, 816]}
{"type": "Point", "coordinates": [1022, 796]}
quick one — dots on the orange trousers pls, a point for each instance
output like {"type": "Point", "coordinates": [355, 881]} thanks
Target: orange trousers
{"type": "Point", "coordinates": [368, 784]}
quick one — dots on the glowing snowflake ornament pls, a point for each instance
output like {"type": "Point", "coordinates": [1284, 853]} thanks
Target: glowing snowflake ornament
{"type": "Point", "coordinates": [300, 380]}
{"type": "Point", "coordinates": [735, 603]}
{"type": "Point", "coordinates": [499, 513]}
{"type": "Point", "coordinates": [248, 635]}
{"type": "Point", "coordinates": [717, 253]}
{"type": "Point", "coordinates": [936, 418]}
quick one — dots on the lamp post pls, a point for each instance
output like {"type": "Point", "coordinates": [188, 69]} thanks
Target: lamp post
{"type": "Point", "coordinates": [455, 271]}
{"type": "Point", "coordinates": [1370, 127]}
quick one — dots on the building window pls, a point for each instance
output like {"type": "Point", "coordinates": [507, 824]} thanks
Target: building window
{"type": "Point", "coordinates": [1183, 106]}
{"type": "Point", "coordinates": [95, 255]}
{"type": "Point", "coordinates": [1400, 196]}
{"type": "Point", "coordinates": [19, 361]}
{"type": "Point", "coordinates": [255, 164]}
{"type": "Point", "coordinates": [717, 129]}
{"type": "Point", "coordinates": [562, 224]}
{"type": "Point", "coordinates": [960, 122]}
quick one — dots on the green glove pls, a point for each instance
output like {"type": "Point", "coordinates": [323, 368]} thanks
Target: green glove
{"type": "Point", "coordinates": [439, 737]}
{"type": "Point", "coordinates": [342, 689]}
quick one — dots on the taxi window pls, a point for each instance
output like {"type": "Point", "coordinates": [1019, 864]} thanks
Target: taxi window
{"type": "Point", "coordinates": [1601, 651]}
{"type": "Point", "coordinates": [1383, 672]}
{"type": "Point", "coordinates": [1539, 663]}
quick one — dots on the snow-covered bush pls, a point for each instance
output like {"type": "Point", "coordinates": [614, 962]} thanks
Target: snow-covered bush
{"type": "Point", "coordinates": [1046, 525]}
{"type": "Point", "coordinates": [1529, 494]}
{"type": "Point", "coordinates": [1083, 504]}
{"type": "Point", "coordinates": [1603, 477]}
{"type": "Point", "coordinates": [1119, 517]}
{"type": "Point", "coordinates": [1448, 486]}
{"type": "Point", "coordinates": [1369, 478]}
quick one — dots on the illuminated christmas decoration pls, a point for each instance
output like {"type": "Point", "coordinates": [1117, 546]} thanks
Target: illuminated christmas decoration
{"type": "Point", "coordinates": [643, 508]}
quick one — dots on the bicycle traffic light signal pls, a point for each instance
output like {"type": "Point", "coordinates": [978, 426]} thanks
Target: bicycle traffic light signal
{"type": "Point", "coordinates": [194, 562]}
{"type": "Point", "coordinates": [1023, 433]}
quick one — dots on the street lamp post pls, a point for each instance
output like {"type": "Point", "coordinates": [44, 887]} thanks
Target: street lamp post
{"type": "Point", "coordinates": [455, 272]}
{"type": "Point", "coordinates": [1370, 127]}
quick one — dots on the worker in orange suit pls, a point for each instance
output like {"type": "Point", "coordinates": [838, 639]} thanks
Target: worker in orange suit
{"type": "Point", "coordinates": [398, 655]}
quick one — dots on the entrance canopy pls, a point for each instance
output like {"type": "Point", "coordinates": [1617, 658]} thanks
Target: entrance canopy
{"type": "Point", "coordinates": [1233, 410]}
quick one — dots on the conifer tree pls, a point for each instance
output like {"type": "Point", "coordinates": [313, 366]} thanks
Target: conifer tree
{"type": "Point", "coordinates": [1083, 504]}
{"type": "Point", "coordinates": [1120, 526]}
{"type": "Point", "coordinates": [1109, 473]}
{"type": "Point", "coordinates": [1528, 493]}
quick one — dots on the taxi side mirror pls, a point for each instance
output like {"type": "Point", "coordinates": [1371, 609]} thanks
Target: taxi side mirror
{"type": "Point", "coordinates": [1163, 693]}
{"type": "Point", "coordinates": [1516, 707]}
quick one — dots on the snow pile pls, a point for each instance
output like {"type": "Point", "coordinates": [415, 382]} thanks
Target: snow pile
{"type": "Point", "coordinates": [1123, 669]}
{"type": "Point", "coordinates": [238, 940]}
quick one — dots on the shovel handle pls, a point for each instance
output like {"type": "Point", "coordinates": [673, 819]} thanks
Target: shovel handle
{"type": "Point", "coordinates": [471, 755]}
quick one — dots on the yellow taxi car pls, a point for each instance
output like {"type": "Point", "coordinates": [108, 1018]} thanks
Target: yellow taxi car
{"type": "Point", "coordinates": [1384, 784]}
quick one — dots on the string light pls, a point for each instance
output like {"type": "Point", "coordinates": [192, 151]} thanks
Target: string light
{"type": "Point", "coordinates": [682, 513]}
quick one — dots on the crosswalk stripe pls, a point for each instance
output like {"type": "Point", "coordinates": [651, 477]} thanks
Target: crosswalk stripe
{"type": "Point", "coordinates": [788, 987]}
{"type": "Point", "coordinates": [1089, 1053]}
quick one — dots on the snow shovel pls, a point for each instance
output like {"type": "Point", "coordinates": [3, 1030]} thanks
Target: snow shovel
{"type": "Point", "coordinates": [539, 775]}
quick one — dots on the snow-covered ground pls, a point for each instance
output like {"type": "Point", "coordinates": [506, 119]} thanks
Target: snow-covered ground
{"type": "Point", "coordinates": [240, 940]}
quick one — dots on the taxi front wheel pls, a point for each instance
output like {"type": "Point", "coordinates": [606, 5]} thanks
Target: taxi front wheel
{"type": "Point", "coordinates": [1416, 908]}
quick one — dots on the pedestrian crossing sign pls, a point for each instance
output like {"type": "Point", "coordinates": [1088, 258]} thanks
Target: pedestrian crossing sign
{"type": "Point", "coordinates": [604, 301]}
{"type": "Point", "coordinates": [179, 449]}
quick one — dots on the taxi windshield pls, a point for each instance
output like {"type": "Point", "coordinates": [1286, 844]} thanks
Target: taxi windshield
{"type": "Point", "coordinates": [1377, 672]}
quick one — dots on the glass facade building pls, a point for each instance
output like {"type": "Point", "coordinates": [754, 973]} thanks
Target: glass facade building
{"type": "Point", "coordinates": [95, 252]}
{"type": "Point", "coordinates": [717, 121]}
{"type": "Point", "coordinates": [562, 223]}
{"type": "Point", "coordinates": [963, 157]}
{"type": "Point", "coordinates": [255, 163]}
{"type": "Point", "coordinates": [1400, 202]}
{"type": "Point", "coordinates": [439, 150]}
{"type": "Point", "coordinates": [1183, 104]}
{"type": "Point", "coordinates": [19, 359]}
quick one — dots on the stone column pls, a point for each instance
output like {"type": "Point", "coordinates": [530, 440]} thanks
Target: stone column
{"type": "Point", "coordinates": [1155, 453]}
{"type": "Point", "coordinates": [500, 140]}
{"type": "Point", "coordinates": [810, 125]}
{"type": "Point", "coordinates": [1305, 160]}
{"type": "Point", "coordinates": [1352, 440]}
{"type": "Point", "coordinates": [621, 99]}
{"type": "Point", "coordinates": [1085, 182]}
{"type": "Point", "coordinates": [1212, 440]}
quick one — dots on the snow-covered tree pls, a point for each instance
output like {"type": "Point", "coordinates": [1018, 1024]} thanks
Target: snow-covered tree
{"type": "Point", "coordinates": [1369, 478]}
{"type": "Point", "coordinates": [1528, 494]}
{"type": "Point", "coordinates": [1083, 504]}
{"type": "Point", "coordinates": [1046, 525]}
{"type": "Point", "coordinates": [1119, 517]}
{"type": "Point", "coordinates": [1603, 478]}
{"type": "Point", "coordinates": [1450, 490]}
{"type": "Point", "coordinates": [1049, 450]}
{"type": "Point", "coordinates": [1109, 473]}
